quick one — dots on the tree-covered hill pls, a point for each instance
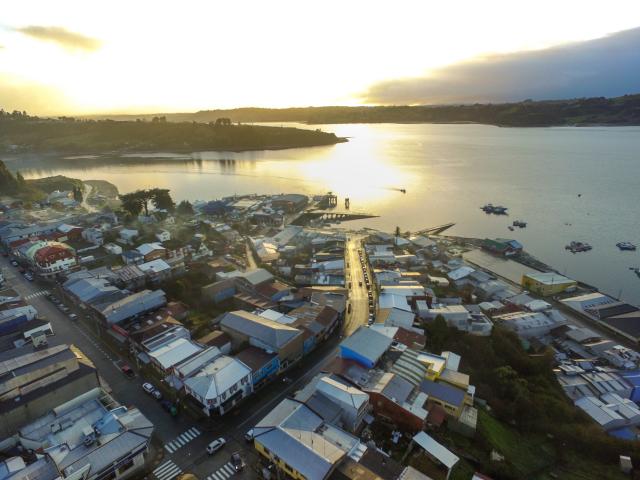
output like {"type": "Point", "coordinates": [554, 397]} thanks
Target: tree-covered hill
{"type": "Point", "coordinates": [20, 132]}
{"type": "Point", "coordinates": [581, 111]}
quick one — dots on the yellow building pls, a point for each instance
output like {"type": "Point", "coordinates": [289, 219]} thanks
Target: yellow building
{"type": "Point", "coordinates": [546, 284]}
{"type": "Point", "coordinates": [301, 443]}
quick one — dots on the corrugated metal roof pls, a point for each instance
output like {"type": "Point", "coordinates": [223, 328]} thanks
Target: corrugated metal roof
{"type": "Point", "coordinates": [367, 343]}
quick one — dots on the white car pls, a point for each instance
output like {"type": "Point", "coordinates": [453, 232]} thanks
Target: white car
{"type": "Point", "coordinates": [216, 445]}
{"type": "Point", "coordinates": [249, 435]}
{"type": "Point", "coordinates": [147, 387]}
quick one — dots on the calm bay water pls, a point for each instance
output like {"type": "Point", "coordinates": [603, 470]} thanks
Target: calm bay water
{"type": "Point", "coordinates": [448, 172]}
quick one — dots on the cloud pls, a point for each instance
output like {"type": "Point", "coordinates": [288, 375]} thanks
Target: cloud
{"type": "Point", "coordinates": [607, 67]}
{"type": "Point", "coordinates": [61, 36]}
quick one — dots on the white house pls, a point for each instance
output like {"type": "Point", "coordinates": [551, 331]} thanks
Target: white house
{"type": "Point", "coordinates": [163, 235]}
{"type": "Point", "coordinates": [113, 248]}
{"type": "Point", "coordinates": [220, 385]}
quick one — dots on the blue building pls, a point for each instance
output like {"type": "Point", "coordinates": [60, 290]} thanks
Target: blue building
{"type": "Point", "coordinates": [264, 365]}
{"type": "Point", "coordinates": [365, 346]}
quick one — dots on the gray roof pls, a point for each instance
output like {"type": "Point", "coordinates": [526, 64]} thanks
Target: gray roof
{"type": "Point", "coordinates": [398, 389]}
{"type": "Point", "coordinates": [91, 289]}
{"type": "Point", "coordinates": [368, 343]}
{"type": "Point", "coordinates": [273, 334]}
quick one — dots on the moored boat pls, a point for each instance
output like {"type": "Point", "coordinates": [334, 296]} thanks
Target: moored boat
{"type": "Point", "coordinates": [625, 246]}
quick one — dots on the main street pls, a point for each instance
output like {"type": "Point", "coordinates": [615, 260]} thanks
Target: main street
{"type": "Point", "coordinates": [358, 297]}
{"type": "Point", "coordinates": [181, 440]}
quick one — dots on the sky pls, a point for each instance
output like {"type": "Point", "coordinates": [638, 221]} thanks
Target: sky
{"type": "Point", "coordinates": [80, 57]}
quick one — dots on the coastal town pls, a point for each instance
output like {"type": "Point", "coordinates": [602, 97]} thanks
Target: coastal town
{"type": "Point", "coordinates": [258, 336]}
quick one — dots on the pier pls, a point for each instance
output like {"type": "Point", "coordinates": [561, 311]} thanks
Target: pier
{"type": "Point", "coordinates": [434, 230]}
{"type": "Point", "coordinates": [330, 216]}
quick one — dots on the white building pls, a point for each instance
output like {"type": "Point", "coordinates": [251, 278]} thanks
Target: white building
{"type": "Point", "coordinates": [531, 324]}
{"type": "Point", "coordinates": [113, 248]}
{"type": "Point", "coordinates": [163, 236]}
{"type": "Point", "coordinates": [220, 385]}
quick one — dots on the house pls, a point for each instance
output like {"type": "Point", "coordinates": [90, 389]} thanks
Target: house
{"type": "Point", "coordinates": [546, 284]}
{"type": "Point", "coordinates": [156, 270]}
{"type": "Point", "coordinates": [502, 246]}
{"type": "Point", "coordinates": [319, 321]}
{"type": "Point", "coordinates": [395, 317]}
{"type": "Point", "coordinates": [250, 329]}
{"type": "Point", "coordinates": [219, 339]}
{"type": "Point", "coordinates": [152, 251]}
{"type": "Point", "coordinates": [132, 257]}
{"type": "Point", "coordinates": [264, 365]}
{"type": "Point", "coordinates": [437, 452]}
{"type": "Point", "coordinates": [90, 436]}
{"type": "Point", "coordinates": [610, 411]}
{"type": "Point", "coordinates": [93, 235]}
{"type": "Point", "coordinates": [450, 398]}
{"type": "Point", "coordinates": [165, 356]}
{"type": "Point", "coordinates": [292, 202]}
{"type": "Point", "coordinates": [163, 236]}
{"type": "Point", "coordinates": [112, 248]}
{"type": "Point", "coordinates": [128, 235]}
{"type": "Point", "coordinates": [302, 444]}
{"type": "Point", "coordinates": [365, 346]}
{"type": "Point", "coordinates": [220, 385]}
{"type": "Point", "coordinates": [397, 400]}
{"type": "Point", "coordinates": [352, 403]}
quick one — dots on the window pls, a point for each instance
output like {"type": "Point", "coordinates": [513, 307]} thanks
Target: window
{"type": "Point", "coordinates": [223, 396]}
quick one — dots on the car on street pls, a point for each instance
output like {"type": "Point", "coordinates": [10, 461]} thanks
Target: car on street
{"type": "Point", "coordinates": [169, 407]}
{"type": "Point", "coordinates": [148, 388]}
{"type": "Point", "coordinates": [73, 316]}
{"type": "Point", "coordinates": [64, 308]}
{"type": "Point", "coordinates": [249, 435]}
{"type": "Point", "coordinates": [216, 445]}
{"type": "Point", "coordinates": [14, 263]}
{"type": "Point", "coordinates": [237, 461]}
{"type": "Point", "coordinates": [127, 370]}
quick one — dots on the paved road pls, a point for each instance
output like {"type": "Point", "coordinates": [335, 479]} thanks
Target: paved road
{"type": "Point", "coordinates": [358, 291]}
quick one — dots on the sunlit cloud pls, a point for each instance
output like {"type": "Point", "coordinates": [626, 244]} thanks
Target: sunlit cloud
{"type": "Point", "coordinates": [62, 37]}
{"type": "Point", "coordinates": [607, 66]}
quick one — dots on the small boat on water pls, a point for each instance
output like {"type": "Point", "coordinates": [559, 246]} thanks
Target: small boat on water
{"type": "Point", "coordinates": [489, 208]}
{"type": "Point", "coordinates": [576, 247]}
{"type": "Point", "coordinates": [519, 224]}
{"type": "Point", "coordinates": [511, 228]}
{"type": "Point", "coordinates": [626, 246]}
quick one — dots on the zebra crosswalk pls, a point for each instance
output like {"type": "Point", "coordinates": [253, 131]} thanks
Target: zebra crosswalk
{"type": "Point", "coordinates": [167, 471]}
{"type": "Point", "coordinates": [182, 440]}
{"type": "Point", "coordinates": [36, 294]}
{"type": "Point", "coordinates": [223, 472]}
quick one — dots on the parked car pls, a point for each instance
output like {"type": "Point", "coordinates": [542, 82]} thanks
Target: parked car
{"type": "Point", "coordinates": [237, 461]}
{"type": "Point", "coordinates": [127, 370]}
{"type": "Point", "coordinates": [14, 263]}
{"type": "Point", "coordinates": [157, 394]}
{"type": "Point", "coordinates": [64, 308]}
{"type": "Point", "coordinates": [73, 316]}
{"type": "Point", "coordinates": [216, 445]}
{"type": "Point", "coordinates": [169, 407]}
{"type": "Point", "coordinates": [249, 435]}
{"type": "Point", "coordinates": [28, 276]}
{"type": "Point", "coordinates": [148, 388]}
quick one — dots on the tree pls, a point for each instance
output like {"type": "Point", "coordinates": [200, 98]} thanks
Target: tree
{"type": "Point", "coordinates": [437, 333]}
{"type": "Point", "coordinates": [138, 201]}
{"type": "Point", "coordinates": [161, 199]}
{"type": "Point", "coordinates": [20, 179]}
{"type": "Point", "coordinates": [185, 208]}
{"type": "Point", "coordinates": [133, 203]}
{"type": "Point", "coordinates": [77, 194]}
